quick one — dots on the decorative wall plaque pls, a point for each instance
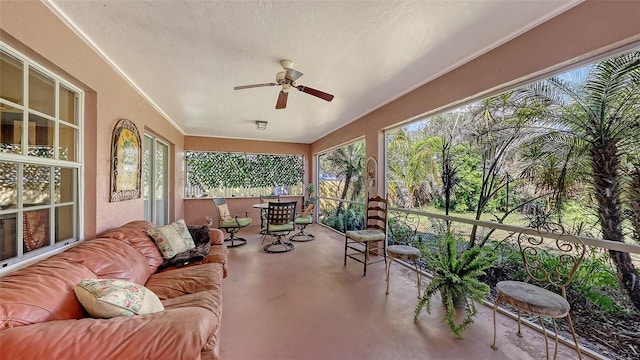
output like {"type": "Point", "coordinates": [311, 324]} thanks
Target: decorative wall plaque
{"type": "Point", "coordinates": [126, 162]}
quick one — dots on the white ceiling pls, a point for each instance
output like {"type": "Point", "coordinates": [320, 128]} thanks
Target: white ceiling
{"type": "Point", "coordinates": [186, 56]}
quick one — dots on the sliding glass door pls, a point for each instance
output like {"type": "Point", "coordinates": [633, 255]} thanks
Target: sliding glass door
{"type": "Point", "coordinates": [156, 180]}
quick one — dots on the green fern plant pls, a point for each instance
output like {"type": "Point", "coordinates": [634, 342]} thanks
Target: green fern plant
{"type": "Point", "coordinates": [455, 276]}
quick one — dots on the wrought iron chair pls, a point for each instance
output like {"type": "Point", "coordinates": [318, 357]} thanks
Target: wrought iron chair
{"type": "Point", "coordinates": [551, 262]}
{"type": "Point", "coordinates": [302, 221]}
{"type": "Point", "coordinates": [231, 223]}
{"type": "Point", "coordinates": [280, 222]}
{"type": "Point", "coordinates": [265, 199]}
{"type": "Point", "coordinates": [358, 244]}
{"type": "Point", "coordinates": [402, 229]}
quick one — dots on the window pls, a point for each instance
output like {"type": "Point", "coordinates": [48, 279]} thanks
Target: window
{"type": "Point", "coordinates": [40, 159]}
{"type": "Point", "coordinates": [218, 174]}
{"type": "Point", "coordinates": [341, 186]}
{"type": "Point", "coordinates": [341, 172]}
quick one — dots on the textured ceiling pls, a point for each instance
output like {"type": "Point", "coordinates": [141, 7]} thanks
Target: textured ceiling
{"type": "Point", "coordinates": [186, 56]}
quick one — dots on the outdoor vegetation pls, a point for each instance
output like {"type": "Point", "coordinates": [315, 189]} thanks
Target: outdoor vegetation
{"type": "Point", "coordinates": [564, 150]}
{"type": "Point", "coordinates": [224, 174]}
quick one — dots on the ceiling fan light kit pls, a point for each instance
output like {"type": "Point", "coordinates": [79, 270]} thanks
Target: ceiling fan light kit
{"type": "Point", "coordinates": [287, 79]}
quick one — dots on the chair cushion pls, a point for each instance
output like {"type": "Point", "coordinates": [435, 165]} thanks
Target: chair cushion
{"type": "Point", "coordinates": [533, 299]}
{"type": "Point", "coordinates": [366, 235]}
{"type": "Point", "coordinates": [242, 222]}
{"type": "Point", "coordinates": [172, 239]}
{"type": "Point", "coordinates": [283, 227]}
{"type": "Point", "coordinates": [403, 252]}
{"type": "Point", "coordinates": [107, 298]}
{"type": "Point", "coordinates": [304, 220]}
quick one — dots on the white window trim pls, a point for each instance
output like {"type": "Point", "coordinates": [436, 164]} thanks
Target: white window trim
{"type": "Point", "coordinates": [22, 260]}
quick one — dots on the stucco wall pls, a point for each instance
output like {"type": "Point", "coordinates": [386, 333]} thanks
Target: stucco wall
{"type": "Point", "coordinates": [30, 27]}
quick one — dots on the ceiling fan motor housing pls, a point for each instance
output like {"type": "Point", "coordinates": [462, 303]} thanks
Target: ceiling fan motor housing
{"type": "Point", "coordinates": [286, 64]}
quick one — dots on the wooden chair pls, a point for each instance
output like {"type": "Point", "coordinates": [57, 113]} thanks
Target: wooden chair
{"type": "Point", "coordinates": [551, 263]}
{"type": "Point", "coordinates": [231, 223]}
{"type": "Point", "coordinates": [280, 222]}
{"type": "Point", "coordinates": [359, 244]}
{"type": "Point", "coordinates": [302, 221]}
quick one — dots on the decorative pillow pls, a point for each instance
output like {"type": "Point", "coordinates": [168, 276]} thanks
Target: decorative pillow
{"type": "Point", "coordinates": [202, 240]}
{"type": "Point", "coordinates": [225, 215]}
{"type": "Point", "coordinates": [172, 239]}
{"type": "Point", "coordinates": [107, 298]}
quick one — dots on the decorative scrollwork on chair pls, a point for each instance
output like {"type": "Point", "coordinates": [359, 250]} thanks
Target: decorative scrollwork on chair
{"type": "Point", "coordinates": [548, 262]}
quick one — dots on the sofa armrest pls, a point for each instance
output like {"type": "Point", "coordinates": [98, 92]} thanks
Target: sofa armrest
{"type": "Point", "coordinates": [217, 236]}
{"type": "Point", "coordinates": [173, 334]}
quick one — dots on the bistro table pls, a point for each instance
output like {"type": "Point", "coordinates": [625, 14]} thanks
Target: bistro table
{"type": "Point", "coordinates": [263, 208]}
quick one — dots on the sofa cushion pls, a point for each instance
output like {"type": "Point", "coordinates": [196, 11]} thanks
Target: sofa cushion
{"type": "Point", "coordinates": [186, 280]}
{"type": "Point", "coordinates": [110, 259]}
{"type": "Point", "coordinates": [181, 333]}
{"type": "Point", "coordinates": [135, 234]}
{"type": "Point", "coordinates": [172, 238]}
{"type": "Point", "coordinates": [107, 298]}
{"type": "Point", "coordinates": [41, 292]}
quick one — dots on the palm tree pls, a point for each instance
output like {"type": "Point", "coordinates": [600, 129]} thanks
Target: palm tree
{"type": "Point", "coordinates": [633, 200]}
{"type": "Point", "coordinates": [632, 192]}
{"type": "Point", "coordinates": [557, 167]}
{"type": "Point", "coordinates": [603, 112]}
{"type": "Point", "coordinates": [504, 127]}
{"type": "Point", "coordinates": [412, 166]}
{"type": "Point", "coordinates": [348, 163]}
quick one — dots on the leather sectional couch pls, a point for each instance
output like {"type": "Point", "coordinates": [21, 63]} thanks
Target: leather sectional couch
{"type": "Point", "coordinates": [41, 318]}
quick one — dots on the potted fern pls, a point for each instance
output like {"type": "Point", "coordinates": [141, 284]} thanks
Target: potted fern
{"type": "Point", "coordinates": [455, 276]}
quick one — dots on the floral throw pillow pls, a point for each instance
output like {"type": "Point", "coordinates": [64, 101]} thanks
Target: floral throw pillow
{"type": "Point", "coordinates": [106, 298]}
{"type": "Point", "coordinates": [172, 239]}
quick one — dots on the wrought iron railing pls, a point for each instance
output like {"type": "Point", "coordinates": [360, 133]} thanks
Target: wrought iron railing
{"type": "Point", "coordinates": [421, 228]}
{"type": "Point", "coordinates": [408, 226]}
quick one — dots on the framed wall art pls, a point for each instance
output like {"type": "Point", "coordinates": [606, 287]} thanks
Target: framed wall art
{"type": "Point", "coordinates": [126, 162]}
{"type": "Point", "coordinates": [372, 172]}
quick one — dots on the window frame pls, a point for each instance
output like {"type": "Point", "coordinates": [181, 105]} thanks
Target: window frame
{"type": "Point", "coordinates": [23, 158]}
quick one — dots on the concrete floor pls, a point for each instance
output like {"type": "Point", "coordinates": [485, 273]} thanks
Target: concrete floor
{"type": "Point", "coordinates": [305, 304]}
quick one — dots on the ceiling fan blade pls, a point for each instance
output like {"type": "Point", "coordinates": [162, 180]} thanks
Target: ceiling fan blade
{"type": "Point", "coordinates": [254, 86]}
{"type": "Point", "coordinates": [292, 74]}
{"type": "Point", "coordinates": [317, 93]}
{"type": "Point", "coordinates": [282, 100]}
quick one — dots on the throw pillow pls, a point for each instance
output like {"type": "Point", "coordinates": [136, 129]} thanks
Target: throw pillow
{"type": "Point", "coordinates": [172, 239]}
{"type": "Point", "coordinates": [202, 240]}
{"type": "Point", "coordinates": [225, 215]}
{"type": "Point", "coordinates": [106, 298]}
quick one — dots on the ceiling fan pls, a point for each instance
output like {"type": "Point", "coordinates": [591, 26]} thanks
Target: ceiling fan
{"type": "Point", "coordinates": [287, 79]}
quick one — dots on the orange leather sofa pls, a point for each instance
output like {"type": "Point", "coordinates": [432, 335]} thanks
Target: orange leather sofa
{"type": "Point", "coordinates": [41, 318]}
